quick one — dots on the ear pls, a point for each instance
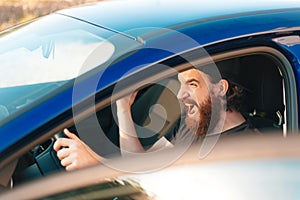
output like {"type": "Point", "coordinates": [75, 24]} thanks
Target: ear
{"type": "Point", "coordinates": [223, 86]}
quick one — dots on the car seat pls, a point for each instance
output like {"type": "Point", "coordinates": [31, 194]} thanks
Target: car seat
{"type": "Point", "coordinates": [263, 78]}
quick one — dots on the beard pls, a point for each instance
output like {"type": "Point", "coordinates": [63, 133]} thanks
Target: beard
{"type": "Point", "coordinates": [208, 117]}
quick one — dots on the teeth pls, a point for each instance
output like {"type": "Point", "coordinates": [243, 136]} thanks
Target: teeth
{"type": "Point", "coordinates": [189, 107]}
{"type": "Point", "coordinates": [188, 104]}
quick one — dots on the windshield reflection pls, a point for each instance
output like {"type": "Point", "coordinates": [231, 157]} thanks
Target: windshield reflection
{"type": "Point", "coordinates": [41, 56]}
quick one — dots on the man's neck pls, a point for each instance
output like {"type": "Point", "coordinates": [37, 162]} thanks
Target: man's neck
{"type": "Point", "coordinates": [233, 119]}
{"type": "Point", "coordinates": [228, 120]}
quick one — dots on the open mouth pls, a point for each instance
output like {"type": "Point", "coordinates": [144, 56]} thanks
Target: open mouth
{"type": "Point", "coordinates": [190, 108]}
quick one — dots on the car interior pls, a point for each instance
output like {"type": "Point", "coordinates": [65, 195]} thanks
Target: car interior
{"type": "Point", "coordinates": [158, 103]}
{"type": "Point", "coordinates": [262, 78]}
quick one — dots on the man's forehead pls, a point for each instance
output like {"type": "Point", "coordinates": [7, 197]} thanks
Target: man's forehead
{"type": "Point", "coordinates": [191, 74]}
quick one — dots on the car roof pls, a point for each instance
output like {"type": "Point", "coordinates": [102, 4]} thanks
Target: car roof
{"type": "Point", "coordinates": [123, 15]}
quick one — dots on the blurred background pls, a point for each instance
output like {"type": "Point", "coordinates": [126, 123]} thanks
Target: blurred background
{"type": "Point", "coordinates": [13, 12]}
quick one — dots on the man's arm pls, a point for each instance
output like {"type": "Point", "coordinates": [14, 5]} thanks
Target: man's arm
{"type": "Point", "coordinates": [129, 141]}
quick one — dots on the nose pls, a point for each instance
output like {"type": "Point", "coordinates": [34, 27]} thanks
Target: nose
{"type": "Point", "coordinates": [182, 93]}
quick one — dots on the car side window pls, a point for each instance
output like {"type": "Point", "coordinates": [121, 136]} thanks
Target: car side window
{"type": "Point", "coordinates": [157, 110]}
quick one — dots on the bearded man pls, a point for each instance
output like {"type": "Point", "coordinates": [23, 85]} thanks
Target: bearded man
{"type": "Point", "coordinates": [212, 106]}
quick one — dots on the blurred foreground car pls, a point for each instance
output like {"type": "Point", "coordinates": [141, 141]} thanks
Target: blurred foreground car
{"type": "Point", "coordinates": [238, 168]}
{"type": "Point", "coordinates": [68, 68]}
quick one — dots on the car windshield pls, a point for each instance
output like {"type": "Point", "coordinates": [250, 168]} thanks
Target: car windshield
{"type": "Point", "coordinates": [39, 57]}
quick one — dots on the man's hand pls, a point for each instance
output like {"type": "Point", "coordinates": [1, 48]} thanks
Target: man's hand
{"type": "Point", "coordinates": [124, 104]}
{"type": "Point", "coordinates": [74, 153]}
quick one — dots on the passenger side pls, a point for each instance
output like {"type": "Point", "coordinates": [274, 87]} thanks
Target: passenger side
{"type": "Point", "coordinates": [261, 77]}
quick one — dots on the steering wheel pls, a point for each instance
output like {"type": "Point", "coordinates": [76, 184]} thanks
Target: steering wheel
{"type": "Point", "coordinates": [41, 161]}
{"type": "Point", "coordinates": [45, 156]}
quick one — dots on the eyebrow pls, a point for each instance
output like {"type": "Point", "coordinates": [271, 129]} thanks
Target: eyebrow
{"type": "Point", "coordinates": [192, 80]}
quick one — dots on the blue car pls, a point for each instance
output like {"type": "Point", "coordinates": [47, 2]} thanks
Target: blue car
{"type": "Point", "coordinates": [67, 69]}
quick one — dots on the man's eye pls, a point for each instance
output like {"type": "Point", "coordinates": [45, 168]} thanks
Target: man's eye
{"type": "Point", "coordinates": [193, 84]}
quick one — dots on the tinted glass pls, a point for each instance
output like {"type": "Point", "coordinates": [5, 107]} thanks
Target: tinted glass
{"type": "Point", "coordinates": [41, 56]}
